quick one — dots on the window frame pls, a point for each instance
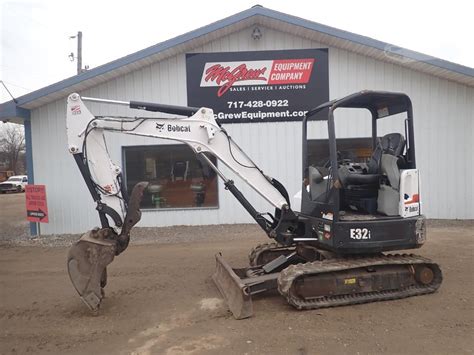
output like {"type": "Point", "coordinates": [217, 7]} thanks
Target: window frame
{"type": "Point", "coordinates": [167, 209]}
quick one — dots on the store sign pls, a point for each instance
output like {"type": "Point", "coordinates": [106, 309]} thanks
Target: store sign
{"type": "Point", "coordinates": [36, 206]}
{"type": "Point", "coordinates": [264, 86]}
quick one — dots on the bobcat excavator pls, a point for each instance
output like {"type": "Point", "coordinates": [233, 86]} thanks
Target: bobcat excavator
{"type": "Point", "coordinates": [330, 253]}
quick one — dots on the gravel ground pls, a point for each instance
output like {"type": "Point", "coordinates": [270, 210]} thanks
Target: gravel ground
{"type": "Point", "coordinates": [139, 236]}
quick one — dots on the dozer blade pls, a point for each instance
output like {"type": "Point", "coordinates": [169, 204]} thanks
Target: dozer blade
{"type": "Point", "coordinates": [235, 292]}
{"type": "Point", "coordinates": [88, 258]}
{"type": "Point", "coordinates": [87, 262]}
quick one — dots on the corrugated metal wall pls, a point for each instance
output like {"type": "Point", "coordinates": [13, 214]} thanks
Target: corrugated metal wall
{"type": "Point", "coordinates": [444, 116]}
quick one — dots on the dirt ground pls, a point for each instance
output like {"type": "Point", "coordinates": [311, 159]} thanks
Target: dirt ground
{"type": "Point", "coordinates": [13, 216]}
{"type": "Point", "coordinates": [161, 300]}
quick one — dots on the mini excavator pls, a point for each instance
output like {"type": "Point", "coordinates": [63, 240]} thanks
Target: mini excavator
{"type": "Point", "coordinates": [332, 252]}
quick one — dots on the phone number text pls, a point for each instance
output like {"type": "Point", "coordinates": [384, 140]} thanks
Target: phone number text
{"type": "Point", "coordinates": [257, 103]}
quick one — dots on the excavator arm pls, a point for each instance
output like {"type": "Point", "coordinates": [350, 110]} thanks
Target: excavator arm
{"type": "Point", "coordinates": [118, 212]}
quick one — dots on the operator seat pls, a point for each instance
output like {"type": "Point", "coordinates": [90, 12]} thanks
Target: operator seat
{"type": "Point", "coordinates": [361, 181]}
{"type": "Point", "coordinates": [361, 174]}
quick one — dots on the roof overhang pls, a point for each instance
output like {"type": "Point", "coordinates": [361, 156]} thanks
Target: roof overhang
{"type": "Point", "coordinates": [257, 15]}
{"type": "Point", "coordinates": [11, 112]}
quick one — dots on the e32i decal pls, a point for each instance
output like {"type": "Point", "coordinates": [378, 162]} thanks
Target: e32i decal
{"type": "Point", "coordinates": [359, 233]}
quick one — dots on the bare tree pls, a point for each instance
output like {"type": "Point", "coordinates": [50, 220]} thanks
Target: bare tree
{"type": "Point", "coordinates": [12, 144]}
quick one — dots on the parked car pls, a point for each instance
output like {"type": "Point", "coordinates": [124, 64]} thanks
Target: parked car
{"type": "Point", "coordinates": [14, 183]}
{"type": "Point", "coordinates": [5, 174]}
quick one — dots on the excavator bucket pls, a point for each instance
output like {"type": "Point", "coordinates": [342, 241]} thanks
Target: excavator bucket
{"type": "Point", "coordinates": [88, 258]}
{"type": "Point", "coordinates": [235, 292]}
{"type": "Point", "coordinates": [87, 262]}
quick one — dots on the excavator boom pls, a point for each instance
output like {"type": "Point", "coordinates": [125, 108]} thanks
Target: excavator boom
{"type": "Point", "coordinates": [118, 212]}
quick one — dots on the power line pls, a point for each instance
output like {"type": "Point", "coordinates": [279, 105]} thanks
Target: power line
{"type": "Point", "coordinates": [14, 100]}
{"type": "Point", "coordinates": [18, 86]}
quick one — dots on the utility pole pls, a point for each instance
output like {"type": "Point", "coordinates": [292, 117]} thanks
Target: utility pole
{"type": "Point", "coordinates": [79, 52]}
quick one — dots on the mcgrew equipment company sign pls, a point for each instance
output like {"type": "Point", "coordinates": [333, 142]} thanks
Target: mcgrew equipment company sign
{"type": "Point", "coordinates": [264, 86]}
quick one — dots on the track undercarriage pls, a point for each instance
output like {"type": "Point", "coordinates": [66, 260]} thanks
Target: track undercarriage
{"type": "Point", "coordinates": [309, 278]}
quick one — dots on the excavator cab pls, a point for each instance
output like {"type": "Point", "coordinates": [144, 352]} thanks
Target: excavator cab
{"type": "Point", "coordinates": [371, 206]}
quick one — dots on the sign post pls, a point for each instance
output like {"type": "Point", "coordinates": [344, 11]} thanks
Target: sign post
{"type": "Point", "coordinates": [36, 205]}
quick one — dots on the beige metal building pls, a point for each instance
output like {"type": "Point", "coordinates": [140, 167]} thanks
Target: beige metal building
{"type": "Point", "coordinates": [442, 94]}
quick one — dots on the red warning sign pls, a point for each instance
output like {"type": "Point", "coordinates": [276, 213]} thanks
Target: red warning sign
{"type": "Point", "coordinates": [36, 206]}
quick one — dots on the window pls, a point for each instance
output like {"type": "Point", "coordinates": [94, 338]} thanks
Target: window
{"type": "Point", "coordinates": [357, 150]}
{"type": "Point", "coordinates": [178, 179]}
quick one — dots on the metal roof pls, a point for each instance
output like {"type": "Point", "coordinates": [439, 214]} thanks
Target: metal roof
{"type": "Point", "coordinates": [256, 15]}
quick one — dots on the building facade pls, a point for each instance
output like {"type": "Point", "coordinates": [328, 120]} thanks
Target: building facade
{"type": "Point", "coordinates": [442, 94]}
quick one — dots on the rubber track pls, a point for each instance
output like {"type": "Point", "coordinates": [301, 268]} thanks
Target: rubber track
{"type": "Point", "coordinates": [293, 272]}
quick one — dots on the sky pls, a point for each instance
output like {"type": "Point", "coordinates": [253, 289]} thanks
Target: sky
{"type": "Point", "coordinates": [35, 44]}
